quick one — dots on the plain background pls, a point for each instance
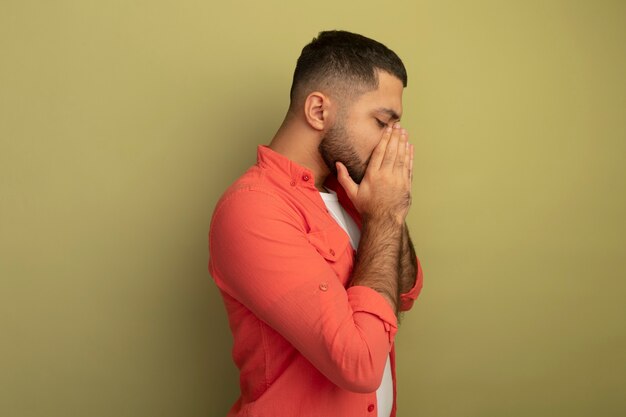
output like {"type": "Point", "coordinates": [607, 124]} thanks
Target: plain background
{"type": "Point", "coordinates": [121, 123]}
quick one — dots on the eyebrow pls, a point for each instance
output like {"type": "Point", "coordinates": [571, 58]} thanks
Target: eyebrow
{"type": "Point", "coordinates": [389, 112]}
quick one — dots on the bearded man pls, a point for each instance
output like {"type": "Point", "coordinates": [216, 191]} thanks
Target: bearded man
{"type": "Point", "coordinates": [309, 247]}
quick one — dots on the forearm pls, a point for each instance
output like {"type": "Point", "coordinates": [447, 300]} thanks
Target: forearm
{"type": "Point", "coordinates": [407, 263]}
{"type": "Point", "coordinates": [378, 257]}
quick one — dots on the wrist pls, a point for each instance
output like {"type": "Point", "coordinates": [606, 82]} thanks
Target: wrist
{"type": "Point", "coordinates": [387, 219]}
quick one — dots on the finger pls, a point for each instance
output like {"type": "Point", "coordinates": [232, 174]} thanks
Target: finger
{"type": "Point", "coordinates": [411, 149]}
{"type": "Point", "coordinates": [400, 165]}
{"type": "Point", "coordinates": [407, 159]}
{"type": "Point", "coordinates": [392, 149]}
{"type": "Point", "coordinates": [346, 181]}
{"type": "Point", "coordinates": [379, 151]}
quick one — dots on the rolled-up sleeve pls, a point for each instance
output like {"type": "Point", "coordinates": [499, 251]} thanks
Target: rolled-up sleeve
{"type": "Point", "coordinates": [260, 255]}
{"type": "Point", "coordinates": [408, 298]}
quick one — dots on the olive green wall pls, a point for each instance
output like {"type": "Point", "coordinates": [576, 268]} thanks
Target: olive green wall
{"type": "Point", "coordinates": [121, 122]}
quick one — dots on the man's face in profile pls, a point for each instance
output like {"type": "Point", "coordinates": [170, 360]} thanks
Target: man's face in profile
{"type": "Point", "coordinates": [355, 134]}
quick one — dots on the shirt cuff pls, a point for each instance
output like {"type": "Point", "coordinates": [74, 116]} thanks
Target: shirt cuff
{"type": "Point", "coordinates": [407, 298]}
{"type": "Point", "coordinates": [368, 300]}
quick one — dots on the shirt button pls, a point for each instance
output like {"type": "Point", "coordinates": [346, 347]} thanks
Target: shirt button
{"type": "Point", "coordinates": [305, 177]}
{"type": "Point", "coordinates": [292, 183]}
{"type": "Point", "coordinates": [324, 286]}
{"type": "Point", "coordinates": [370, 408]}
{"type": "Point", "coordinates": [332, 252]}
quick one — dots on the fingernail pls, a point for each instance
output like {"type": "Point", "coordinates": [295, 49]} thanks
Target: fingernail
{"type": "Point", "coordinates": [389, 129]}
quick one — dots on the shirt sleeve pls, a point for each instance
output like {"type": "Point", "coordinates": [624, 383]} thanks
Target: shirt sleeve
{"type": "Point", "coordinates": [408, 298]}
{"type": "Point", "coordinates": [260, 255]}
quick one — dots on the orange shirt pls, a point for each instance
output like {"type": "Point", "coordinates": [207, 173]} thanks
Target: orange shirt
{"type": "Point", "coordinates": [305, 343]}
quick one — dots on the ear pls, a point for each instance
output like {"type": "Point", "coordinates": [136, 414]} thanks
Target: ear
{"type": "Point", "coordinates": [317, 110]}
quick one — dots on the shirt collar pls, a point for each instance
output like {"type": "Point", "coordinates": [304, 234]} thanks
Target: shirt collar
{"type": "Point", "coordinates": [297, 174]}
{"type": "Point", "coordinates": [300, 176]}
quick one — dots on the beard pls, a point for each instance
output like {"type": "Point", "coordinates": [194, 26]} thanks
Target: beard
{"type": "Point", "coordinates": [335, 146]}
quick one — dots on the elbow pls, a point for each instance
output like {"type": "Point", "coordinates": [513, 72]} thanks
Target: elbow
{"type": "Point", "coordinates": [361, 376]}
{"type": "Point", "coordinates": [362, 384]}
{"type": "Point", "coordinates": [367, 386]}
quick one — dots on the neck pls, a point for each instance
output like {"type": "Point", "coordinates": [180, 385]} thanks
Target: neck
{"type": "Point", "coordinates": [300, 144]}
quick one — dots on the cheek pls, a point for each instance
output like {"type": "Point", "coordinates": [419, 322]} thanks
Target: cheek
{"type": "Point", "coordinates": [372, 143]}
{"type": "Point", "coordinates": [365, 140]}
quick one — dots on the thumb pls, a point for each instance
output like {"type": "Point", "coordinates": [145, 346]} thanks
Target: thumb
{"type": "Point", "coordinates": [346, 181]}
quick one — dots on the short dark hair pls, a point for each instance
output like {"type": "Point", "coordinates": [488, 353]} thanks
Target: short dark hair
{"type": "Point", "coordinates": [343, 63]}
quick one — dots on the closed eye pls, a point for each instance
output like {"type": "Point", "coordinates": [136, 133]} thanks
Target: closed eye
{"type": "Point", "coordinates": [381, 124]}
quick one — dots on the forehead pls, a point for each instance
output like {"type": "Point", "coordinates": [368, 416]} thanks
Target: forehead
{"type": "Point", "coordinates": [386, 100]}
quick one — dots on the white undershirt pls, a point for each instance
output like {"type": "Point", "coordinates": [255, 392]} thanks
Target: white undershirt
{"type": "Point", "coordinates": [384, 393]}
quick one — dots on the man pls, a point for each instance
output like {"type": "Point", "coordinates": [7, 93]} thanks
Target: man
{"type": "Point", "coordinates": [309, 248]}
